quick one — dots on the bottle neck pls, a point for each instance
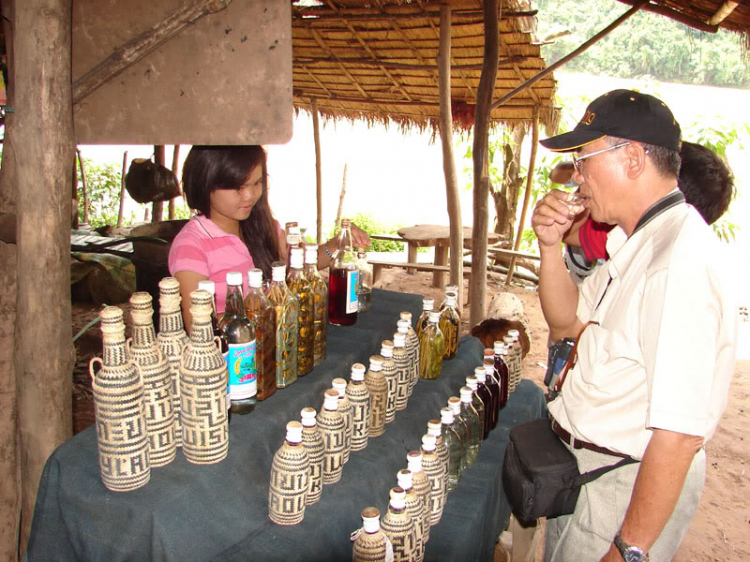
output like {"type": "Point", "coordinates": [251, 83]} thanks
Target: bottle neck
{"type": "Point", "coordinates": [114, 352]}
{"type": "Point", "coordinates": [144, 334]}
{"type": "Point", "coordinates": [234, 305]}
{"type": "Point", "coordinates": [202, 330]}
{"type": "Point", "coordinates": [170, 319]}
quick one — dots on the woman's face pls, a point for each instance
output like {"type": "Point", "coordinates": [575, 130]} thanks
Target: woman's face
{"type": "Point", "coordinates": [236, 204]}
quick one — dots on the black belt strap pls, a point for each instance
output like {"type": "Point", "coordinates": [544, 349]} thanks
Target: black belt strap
{"type": "Point", "coordinates": [658, 208]}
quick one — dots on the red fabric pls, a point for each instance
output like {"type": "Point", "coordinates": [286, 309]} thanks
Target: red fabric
{"type": "Point", "coordinates": [593, 236]}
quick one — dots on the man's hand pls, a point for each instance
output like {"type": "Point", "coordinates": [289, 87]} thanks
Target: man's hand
{"type": "Point", "coordinates": [553, 216]}
{"type": "Point", "coordinates": [360, 239]}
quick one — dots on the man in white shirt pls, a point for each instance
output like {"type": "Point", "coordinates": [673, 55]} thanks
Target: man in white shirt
{"type": "Point", "coordinates": [657, 353]}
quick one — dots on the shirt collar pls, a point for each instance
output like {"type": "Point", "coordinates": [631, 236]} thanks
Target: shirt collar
{"type": "Point", "coordinates": [210, 227]}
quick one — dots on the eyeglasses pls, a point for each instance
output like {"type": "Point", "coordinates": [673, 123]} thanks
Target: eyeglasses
{"type": "Point", "coordinates": [578, 162]}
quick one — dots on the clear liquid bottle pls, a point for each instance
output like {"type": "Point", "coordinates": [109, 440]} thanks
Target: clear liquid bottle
{"type": "Point", "coordinates": [432, 349]}
{"type": "Point", "coordinates": [343, 300]}
{"type": "Point", "coordinates": [332, 429]}
{"type": "Point", "coordinates": [370, 542]}
{"type": "Point", "coordinates": [494, 388]}
{"type": "Point", "coordinates": [364, 290]}
{"type": "Point", "coordinates": [302, 291]}
{"type": "Point", "coordinates": [398, 526]}
{"type": "Point", "coordinates": [345, 407]}
{"type": "Point", "coordinates": [433, 467]}
{"type": "Point", "coordinates": [320, 303]}
{"type": "Point", "coordinates": [427, 306]}
{"type": "Point", "coordinates": [471, 418]}
{"type": "Point", "coordinates": [503, 372]}
{"type": "Point", "coordinates": [485, 395]}
{"type": "Point", "coordinates": [412, 345]}
{"type": "Point", "coordinates": [454, 403]}
{"type": "Point", "coordinates": [293, 240]}
{"type": "Point", "coordinates": [450, 325]}
{"type": "Point", "coordinates": [452, 291]}
{"type": "Point", "coordinates": [415, 508]}
{"type": "Point", "coordinates": [391, 378]}
{"type": "Point", "coordinates": [262, 313]}
{"type": "Point", "coordinates": [476, 401]}
{"type": "Point", "coordinates": [290, 479]}
{"type": "Point", "coordinates": [313, 442]}
{"type": "Point", "coordinates": [454, 445]}
{"type": "Point", "coordinates": [378, 388]}
{"type": "Point", "coordinates": [421, 485]}
{"type": "Point", "coordinates": [403, 370]}
{"type": "Point", "coordinates": [359, 397]}
{"type": "Point", "coordinates": [286, 326]}
{"type": "Point", "coordinates": [241, 359]}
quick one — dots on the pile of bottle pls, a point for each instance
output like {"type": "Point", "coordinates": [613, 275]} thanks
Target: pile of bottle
{"type": "Point", "coordinates": [439, 333]}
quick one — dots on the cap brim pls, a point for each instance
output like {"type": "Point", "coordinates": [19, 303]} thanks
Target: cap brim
{"type": "Point", "coordinates": [568, 142]}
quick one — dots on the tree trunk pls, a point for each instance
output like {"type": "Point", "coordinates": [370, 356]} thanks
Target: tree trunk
{"type": "Point", "coordinates": [157, 208]}
{"type": "Point", "coordinates": [341, 196]}
{"type": "Point", "coordinates": [506, 198]}
{"type": "Point", "coordinates": [175, 163]}
{"type": "Point", "coordinates": [74, 194]}
{"type": "Point", "coordinates": [318, 173]}
{"type": "Point", "coordinates": [43, 135]}
{"type": "Point", "coordinates": [85, 189]}
{"type": "Point", "coordinates": [122, 189]}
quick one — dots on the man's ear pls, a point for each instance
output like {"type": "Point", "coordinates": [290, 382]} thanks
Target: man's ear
{"type": "Point", "coordinates": [636, 160]}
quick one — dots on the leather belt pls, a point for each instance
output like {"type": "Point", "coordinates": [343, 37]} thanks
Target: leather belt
{"type": "Point", "coordinates": [568, 439]}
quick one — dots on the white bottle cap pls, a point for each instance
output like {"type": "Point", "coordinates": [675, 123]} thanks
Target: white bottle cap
{"type": "Point", "coordinates": [311, 253]}
{"type": "Point", "coordinates": [403, 326]}
{"type": "Point", "coordinates": [296, 258]}
{"type": "Point", "coordinates": [451, 289]}
{"type": "Point", "coordinates": [278, 272]}
{"type": "Point", "coordinates": [331, 400]}
{"type": "Point", "coordinates": [414, 461]}
{"type": "Point", "coordinates": [398, 498]}
{"type": "Point", "coordinates": [433, 427]}
{"type": "Point", "coordinates": [489, 370]}
{"type": "Point", "coordinates": [399, 340]}
{"type": "Point", "coordinates": [497, 346]}
{"type": "Point", "coordinates": [450, 299]}
{"type": "Point", "coordinates": [466, 394]}
{"type": "Point", "coordinates": [308, 417]}
{"type": "Point", "coordinates": [386, 349]}
{"type": "Point", "coordinates": [339, 386]}
{"type": "Point", "coordinates": [514, 333]}
{"type": "Point", "coordinates": [234, 278]}
{"type": "Point", "coordinates": [206, 285]}
{"type": "Point", "coordinates": [376, 363]}
{"type": "Point", "coordinates": [405, 479]}
{"type": "Point", "coordinates": [471, 382]}
{"type": "Point", "coordinates": [428, 304]}
{"type": "Point", "coordinates": [371, 520]}
{"type": "Point", "coordinates": [480, 374]}
{"type": "Point", "coordinates": [405, 315]}
{"type": "Point", "coordinates": [446, 416]}
{"type": "Point", "coordinates": [435, 317]}
{"type": "Point", "coordinates": [294, 432]}
{"type": "Point", "coordinates": [508, 339]}
{"type": "Point", "coordinates": [454, 403]}
{"type": "Point", "coordinates": [358, 372]}
{"type": "Point", "coordinates": [428, 442]}
{"type": "Point", "coordinates": [255, 277]}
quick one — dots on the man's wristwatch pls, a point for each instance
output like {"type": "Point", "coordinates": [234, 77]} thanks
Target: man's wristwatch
{"type": "Point", "coordinates": [629, 553]}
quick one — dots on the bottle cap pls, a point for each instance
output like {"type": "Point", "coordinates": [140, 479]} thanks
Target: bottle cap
{"type": "Point", "coordinates": [428, 304]}
{"type": "Point", "coordinates": [433, 427]}
{"type": "Point", "coordinates": [414, 461]}
{"type": "Point", "coordinates": [278, 271]}
{"type": "Point", "coordinates": [371, 520]}
{"type": "Point", "coordinates": [386, 349]}
{"type": "Point", "coordinates": [331, 400]}
{"type": "Point", "coordinates": [376, 363]}
{"type": "Point", "coordinates": [446, 416]}
{"type": "Point", "coordinates": [308, 417]}
{"type": "Point", "coordinates": [294, 432]}
{"type": "Point", "coordinates": [480, 374]}
{"type": "Point", "coordinates": [489, 370]}
{"type": "Point", "coordinates": [450, 299]}
{"type": "Point", "coordinates": [508, 339]}
{"type": "Point", "coordinates": [398, 498]}
{"type": "Point", "coordinates": [296, 258]}
{"type": "Point", "coordinates": [234, 278]}
{"type": "Point", "coordinates": [255, 277]}
{"type": "Point", "coordinates": [451, 289]}
{"type": "Point", "coordinates": [403, 326]}
{"type": "Point", "coordinates": [358, 372]}
{"type": "Point", "coordinates": [399, 340]}
{"type": "Point", "coordinates": [345, 223]}
{"type": "Point", "coordinates": [471, 382]}
{"type": "Point", "coordinates": [466, 394]}
{"type": "Point", "coordinates": [206, 285]}
{"type": "Point", "coordinates": [290, 224]}
{"type": "Point", "coordinates": [405, 479]}
{"type": "Point", "coordinates": [339, 385]}
{"type": "Point", "coordinates": [497, 346]}
{"type": "Point", "coordinates": [311, 253]}
{"type": "Point", "coordinates": [514, 333]}
{"type": "Point", "coordinates": [454, 403]}
{"type": "Point", "coordinates": [435, 317]}
{"type": "Point", "coordinates": [428, 442]}
{"type": "Point", "coordinates": [488, 352]}
{"type": "Point", "coordinates": [405, 315]}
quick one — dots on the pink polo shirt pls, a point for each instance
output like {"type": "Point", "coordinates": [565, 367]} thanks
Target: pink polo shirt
{"type": "Point", "coordinates": [203, 247]}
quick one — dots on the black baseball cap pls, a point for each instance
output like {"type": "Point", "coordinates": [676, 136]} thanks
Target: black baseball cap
{"type": "Point", "coordinates": [624, 114]}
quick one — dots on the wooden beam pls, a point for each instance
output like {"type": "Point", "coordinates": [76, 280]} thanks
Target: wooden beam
{"type": "Point", "coordinates": [145, 43]}
{"type": "Point", "coordinates": [404, 66]}
{"type": "Point", "coordinates": [157, 207]}
{"type": "Point", "coordinates": [312, 15]}
{"type": "Point", "coordinates": [603, 33]}
{"type": "Point", "coordinates": [318, 173]}
{"type": "Point", "coordinates": [390, 102]}
{"type": "Point", "coordinates": [175, 164]}
{"type": "Point", "coordinates": [445, 125]}
{"type": "Point", "coordinates": [527, 193]}
{"type": "Point", "coordinates": [676, 16]}
{"type": "Point", "coordinates": [122, 189]}
{"type": "Point", "coordinates": [482, 116]}
{"type": "Point", "coordinates": [723, 12]}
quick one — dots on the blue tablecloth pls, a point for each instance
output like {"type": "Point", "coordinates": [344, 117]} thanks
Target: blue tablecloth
{"type": "Point", "coordinates": [220, 512]}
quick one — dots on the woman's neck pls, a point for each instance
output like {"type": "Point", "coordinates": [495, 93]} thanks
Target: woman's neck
{"type": "Point", "coordinates": [230, 226]}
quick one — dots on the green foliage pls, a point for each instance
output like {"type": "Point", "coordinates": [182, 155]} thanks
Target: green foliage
{"type": "Point", "coordinates": [371, 225]}
{"type": "Point", "coordinates": [103, 183]}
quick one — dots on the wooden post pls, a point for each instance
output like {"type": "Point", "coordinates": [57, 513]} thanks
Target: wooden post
{"type": "Point", "coordinates": [318, 171]}
{"type": "Point", "coordinates": [85, 188]}
{"type": "Point", "coordinates": [122, 189]}
{"type": "Point", "coordinates": [527, 194]}
{"type": "Point", "coordinates": [341, 196]}
{"type": "Point", "coordinates": [44, 354]}
{"type": "Point", "coordinates": [74, 209]}
{"type": "Point", "coordinates": [449, 167]}
{"type": "Point", "coordinates": [157, 207]}
{"type": "Point", "coordinates": [482, 116]}
{"type": "Point", "coordinates": [175, 164]}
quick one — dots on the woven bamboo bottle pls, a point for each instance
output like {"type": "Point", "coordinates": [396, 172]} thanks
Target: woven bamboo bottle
{"type": "Point", "coordinates": [433, 467]}
{"type": "Point", "coordinates": [359, 397]}
{"type": "Point", "coordinates": [398, 526]}
{"type": "Point", "coordinates": [391, 379]}
{"type": "Point", "coordinates": [332, 429]}
{"type": "Point", "coordinates": [157, 381]}
{"type": "Point", "coordinates": [517, 352]}
{"type": "Point", "coordinates": [412, 344]}
{"type": "Point", "coordinates": [415, 508]}
{"type": "Point", "coordinates": [434, 427]}
{"type": "Point", "coordinates": [370, 543]}
{"type": "Point", "coordinates": [313, 442]}
{"type": "Point", "coordinates": [290, 479]}
{"type": "Point", "coordinates": [422, 486]}
{"type": "Point", "coordinates": [121, 433]}
{"type": "Point", "coordinates": [203, 389]}
{"type": "Point", "coordinates": [378, 387]}
{"type": "Point", "coordinates": [403, 371]}
{"type": "Point", "coordinates": [172, 339]}
{"type": "Point", "coordinates": [345, 407]}
{"type": "Point", "coordinates": [512, 368]}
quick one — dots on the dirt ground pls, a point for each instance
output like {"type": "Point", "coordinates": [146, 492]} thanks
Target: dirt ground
{"type": "Point", "coordinates": [721, 529]}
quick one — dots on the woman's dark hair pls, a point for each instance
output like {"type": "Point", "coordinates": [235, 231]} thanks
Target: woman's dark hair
{"type": "Point", "coordinates": [208, 168]}
{"type": "Point", "coordinates": [706, 181]}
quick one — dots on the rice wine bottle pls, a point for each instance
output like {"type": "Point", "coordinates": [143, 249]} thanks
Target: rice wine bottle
{"type": "Point", "coordinates": [221, 342]}
{"type": "Point", "coordinates": [262, 314]}
{"type": "Point", "coordinates": [391, 378]}
{"type": "Point", "coordinates": [427, 305]}
{"type": "Point", "coordinates": [434, 428]}
{"type": "Point", "coordinates": [370, 542]}
{"type": "Point", "coordinates": [403, 370]}
{"type": "Point", "coordinates": [415, 508]}
{"type": "Point", "coordinates": [343, 300]}
{"type": "Point", "coordinates": [454, 403]}
{"type": "Point", "coordinates": [450, 325]}
{"type": "Point", "coordinates": [486, 397]}
{"type": "Point", "coordinates": [290, 479]}
{"type": "Point", "coordinates": [494, 389]}
{"type": "Point", "coordinates": [286, 326]}
{"type": "Point", "coordinates": [364, 291]}
{"type": "Point", "coordinates": [398, 526]}
{"type": "Point", "coordinates": [503, 373]}
{"type": "Point", "coordinates": [332, 429]}
{"type": "Point", "coordinates": [421, 485]}
{"type": "Point", "coordinates": [345, 407]}
{"type": "Point", "coordinates": [432, 349]}
{"type": "Point", "coordinates": [359, 397]}
{"type": "Point", "coordinates": [455, 448]}
{"type": "Point", "coordinates": [293, 240]}
{"type": "Point", "coordinates": [313, 442]}
{"type": "Point", "coordinates": [320, 303]}
{"type": "Point", "coordinates": [378, 388]}
{"type": "Point", "coordinates": [433, 467]}
{"type": "Point", "coordinates": [412, 346]}
{"type": "Point", "coordinates": [476, 401]}
{"type": "Point", "coordinates": [471, 418]}
{"type": "Point", "coordinates": [302, 291]}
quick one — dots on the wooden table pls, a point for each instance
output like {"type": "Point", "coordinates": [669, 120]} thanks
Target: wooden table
{"type": "Point", "coordinates": [429, 235]}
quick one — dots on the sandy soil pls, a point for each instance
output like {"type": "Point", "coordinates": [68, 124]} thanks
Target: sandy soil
{"type": "Point", "coordinates": [721, 529]}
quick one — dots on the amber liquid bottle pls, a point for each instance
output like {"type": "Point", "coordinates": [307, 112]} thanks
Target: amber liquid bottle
{"type": "Point", "coordinates": [450, 325]}
{"type": "Point", "coordinates": [302, 291]}
{"type": "Point", "coordinates": [343, 300]}
{"type": "Point", "coordinates": [287, 326]}
{"type": "Point", "coordinates": [320, 303]}
{"type": "Point", "coordinates": [427, 306]}
{"type": "Point", "coordinates": [293, 239]}
{"type": "Point", "coordinates": [432, 349]}
{"type": "Point", "coordinates": [261, 312]}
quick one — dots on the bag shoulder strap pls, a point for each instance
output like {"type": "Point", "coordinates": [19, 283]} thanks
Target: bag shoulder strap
{"type": "Point", "coordinates": [592, 475]}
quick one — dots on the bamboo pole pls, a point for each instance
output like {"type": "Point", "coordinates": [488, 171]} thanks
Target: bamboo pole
{"type": "Point", "coordinates": [122, 189]}
{"type": "Point", "coordinates": [341, 196]}
{"type": "Point", "coordinates": [312, 15]}
{"type": "Point", "coordinates": [401, 65]}
{"type": "Point", "coordinates": [677, 16]}
{"type": "Point", "coordinates": [175, 163]}
{"type": "Point", "coordinates": [393, 102]}
{"type": "Point", "coordinates": [318, 172]}
{"type": "Point", "coordinates": [157, 207]}
{"type": "Point", "coordinates": [449, 168]}
{"type": "Point", "coordinates": [603, 33]}
{"type": "Point", "coordinates": [85, 188]}
{"type": "Point", "coordinates": [527, 194]}
{"type": "Point", "coordinates": [478, 283]}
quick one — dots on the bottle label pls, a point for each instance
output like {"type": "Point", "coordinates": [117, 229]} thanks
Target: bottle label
{"type": "Point", "coordinates": [352, 287]}
{"type": "Point", "coordinates": [242, 373]}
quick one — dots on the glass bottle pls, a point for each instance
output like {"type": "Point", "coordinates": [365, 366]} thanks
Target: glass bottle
{"type": "Point", "coordinates": [432, 349]}
{"type": "Point", "coordinates": [450, 325]}
{"type": "Point", "coordinates": [511, 363]}
{"type": "Point", "coordinates": [471, 418]}
{"type": "Point", "coordinates": [427, 305]}
{"type": "Point", "coordinates": [221, 342]}
{"type": "Point", "coordinates": [433, 467]}
{"type": "Point", "coordinates": [485, 395]}
{"type": "Point", "coordinates": [454, 445]}
{"type": "Point", "coordinates": [241, 358]}
{"type": "Point", "coordinates": [343, 301]}
{"type": "Point", "coordinates": [359, 397]}
{"type": "Point", "coordinates": [313, 442]}
{"type": "Point", "coordinates": [370, 543]}
{"type": "Point", "coordinates": [494, 389]}
{"type": "Point", "coordinates": [332, 429]}
{"type": "Point", "coordinates": [421, 484]}
{"type": "Point", "coordinates": [476, 401]}
{"type": "Point", "coordinates": [516, 351]}
{"type": "Point", "coordinates": [293, 240]}
{"type": "Point", "coordinates": [364, 290]}
{"type": "Point", "coordinates": [412, 344]}
{"type": "Point", "coordinates": [302, 291]}
{"type": "Point", "coordinates": [286, 327]}
{"type": "Point", "coordinates": [290, 479]}
{"type": "Point", "coordinates": [262, 314]}
{"type": "Point", "coordinates": [454, 403]}
{"type": "Point", "coordinates": [503, 372]}
{"type": "Point", "coordinates": [488, 358]}
{"type": "Point", "coordinates": [391, 378]}
{"type": "Point", "coordinates": [320, 303]}
{"type": "Point", "coordinates": [415, 508]}
{"type": "Point", "coordinates": [403, 372]}
{"type": "Point", "coordinates": [398, 525]}
{"type": "Point", "coordinates": [345, 407]}
{"type": "Point", "coordinates": [434, 428]}
{"type": "Point", "coordinates": [450, 291]}
{"type": "Point", "coordinates": [378, 387]}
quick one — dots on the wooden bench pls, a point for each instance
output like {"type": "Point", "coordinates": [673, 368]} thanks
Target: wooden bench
{"type": "Point", "coordinates": [510, 253]}
{"type": "Point", "coordinates": [388, 237]}
{"type": "Point", "coordinates": [378, 265]}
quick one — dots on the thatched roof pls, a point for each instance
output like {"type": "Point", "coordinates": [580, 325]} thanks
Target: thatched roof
{"type": "Point", "coordinates": [377, 61]}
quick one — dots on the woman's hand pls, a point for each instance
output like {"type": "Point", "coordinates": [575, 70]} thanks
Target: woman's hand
{"type": "Point", "coordinates": [360, 239]}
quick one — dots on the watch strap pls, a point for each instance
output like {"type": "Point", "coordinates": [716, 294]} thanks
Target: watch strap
{"type": "Point", "coordinates": [628, 552]}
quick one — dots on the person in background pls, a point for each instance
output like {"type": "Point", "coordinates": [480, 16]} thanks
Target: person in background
{"type": "Point", "coordinates": [234, 229]}
{"type": "Point", "coordinates": [656, 329]}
